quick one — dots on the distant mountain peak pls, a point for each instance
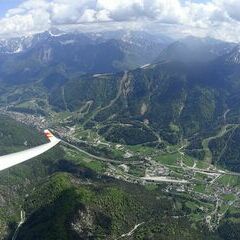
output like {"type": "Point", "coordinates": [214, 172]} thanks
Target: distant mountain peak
{"type": "Point", "coordinates": [234, 56]}
{"type": "Point", "coordinates": [193, 49]}
{"type": "Point", "coordinates": [55, 32]}
{"type": "Point", "coordinates": [15, 45]}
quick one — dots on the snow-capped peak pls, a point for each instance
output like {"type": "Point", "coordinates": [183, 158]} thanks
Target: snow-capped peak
{"type": "Point", "coordinates": [234, 56]}
{"type": "Point", "coordinates": [15, 45]}
{"type": "Point", "coordinates": [55, 32]}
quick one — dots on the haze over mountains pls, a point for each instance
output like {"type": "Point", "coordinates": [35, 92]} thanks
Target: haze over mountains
{"type": "Point", "coordinates": [192, 49]}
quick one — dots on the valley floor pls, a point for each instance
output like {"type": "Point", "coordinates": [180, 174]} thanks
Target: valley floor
{"type": "Point", "coordinates": [215, 190]}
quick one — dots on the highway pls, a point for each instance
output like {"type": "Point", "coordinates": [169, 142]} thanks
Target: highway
{"type": "Point", "coordinates": [103, 159]}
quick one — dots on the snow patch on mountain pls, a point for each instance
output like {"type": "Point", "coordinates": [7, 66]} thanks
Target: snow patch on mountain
{"type": "Point", "coordinates": [234, 56]}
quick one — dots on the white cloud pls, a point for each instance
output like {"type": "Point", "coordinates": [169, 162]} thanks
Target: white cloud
{"type": "Point", "coordinates": [217, 18]}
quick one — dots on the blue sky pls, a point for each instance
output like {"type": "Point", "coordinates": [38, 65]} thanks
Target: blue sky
{"type": "Point", "coordinates": [8, 4]}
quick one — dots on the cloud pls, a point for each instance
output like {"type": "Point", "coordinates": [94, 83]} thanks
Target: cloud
{"type": "Point", "coordinates": [231, 8]}
{"type": "Point", "coordinates": [216, 18]}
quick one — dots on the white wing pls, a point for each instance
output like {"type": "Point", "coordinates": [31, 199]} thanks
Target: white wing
{"type": "Point", "coordinates": [10, 160]}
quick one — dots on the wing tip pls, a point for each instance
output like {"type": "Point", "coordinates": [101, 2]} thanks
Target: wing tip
{"type": "Point", "coordinates": [50, 136]}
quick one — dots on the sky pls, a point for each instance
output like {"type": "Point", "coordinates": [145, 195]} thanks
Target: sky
{"type": "Point", "coordinates": [178, 18]}
{"type": "Point", "coordinates": [8, 4]}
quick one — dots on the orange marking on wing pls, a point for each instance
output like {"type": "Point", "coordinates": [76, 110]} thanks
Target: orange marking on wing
{"type": "Point", "coordinates": [48, 135]}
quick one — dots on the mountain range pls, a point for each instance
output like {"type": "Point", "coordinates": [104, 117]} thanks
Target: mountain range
{"type": "Point", "coordinates": [193, 49]}
{"type": "Point", "coordinates": [151, 94]}
{"type": "Point", "coordinates": [76, 53]}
